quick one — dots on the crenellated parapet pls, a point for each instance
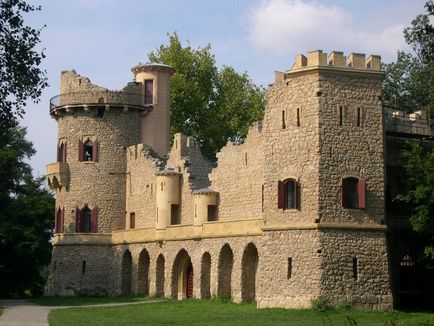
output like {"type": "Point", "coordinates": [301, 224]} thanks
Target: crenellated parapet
{"type": "Point", "coordinates": [335, 60]}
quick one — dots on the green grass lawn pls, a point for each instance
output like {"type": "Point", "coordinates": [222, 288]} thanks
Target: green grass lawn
{"type": "Point", "coordinates": [80, 301]}
{"type": "Point", "coordinates": [194, 312]}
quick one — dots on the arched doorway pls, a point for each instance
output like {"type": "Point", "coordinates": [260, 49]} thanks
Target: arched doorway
{"type": "Point", "coordinates": [226, 262]}
{"type": "Point", "coordinates": [182, 276]}
{"type": "Point", "coordinates": [127, 269]}
{"type": "Point", "coordinates": [143, 273]}
{"type": "Point", "coordinates": [159, 276]}
{"type": "Point", "coordinates": [205, 276]}
{"type": "Point", "coordinates": [249, 266]}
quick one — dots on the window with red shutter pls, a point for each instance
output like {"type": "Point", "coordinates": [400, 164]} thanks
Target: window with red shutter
{"type": "Point", "coordinates": [94, 220]}
{"type": "Point", "coordinates": [80, 151]}
{"type": "Point", "coordinates": [149, 91]}
{"type": "Point", "coordinates": [77, 220]}
{"type": "Point", "coordinates": [361, 193]}
{"type": "Point", "coordinates": [280, 194]}
{"type": "Point", "coordinates": [61, 152]}
{"type": "Point", "coordinates": [353, 192]}
{"type": "Point", "coordinates": [95, 151]}
{"type": "Point", "coordinates": [58, 220]}
{"type": "Point", "coordinates": [62, 221]}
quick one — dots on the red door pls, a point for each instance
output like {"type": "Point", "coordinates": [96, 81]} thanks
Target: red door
{"type": "Point", "coordinates": [189, 281]}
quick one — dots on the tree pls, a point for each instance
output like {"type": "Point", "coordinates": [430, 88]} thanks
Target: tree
{"type": "Point", "coordinates": [419, 167]}
{"type": "Point", "coordinates": [21, 78]}
{"type": "Point", "coordinates": [409, 82]}
{"type": "Point", "coordinates": [26, 219]}
{"type": "Point", "coordinates": [210, 104]}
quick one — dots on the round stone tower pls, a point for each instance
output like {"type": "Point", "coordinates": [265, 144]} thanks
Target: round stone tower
{"type": "Point", "coordinates": [95, 126]}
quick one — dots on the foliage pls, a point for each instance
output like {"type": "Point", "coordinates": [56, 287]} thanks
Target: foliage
{"type": "Point", "coordinates": [26, 218]}
{"type": "Point", "coordinates": [213, 105]}
{"type": "Point", "coordinates": [321, 305]}
{"type": "Point", "coordinates": [213, 312]}
{"type": "Point", "coordinates": [419, 167]}
{"type": "Point", "coordinates": [21, 78]}
{"type": "Point", "coordinates": [409, 82]}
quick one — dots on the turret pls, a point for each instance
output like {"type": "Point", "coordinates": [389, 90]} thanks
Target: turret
{"type": "Point", "coordinates": [154, 80]}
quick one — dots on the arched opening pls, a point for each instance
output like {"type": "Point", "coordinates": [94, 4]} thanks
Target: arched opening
{"type": "Point", "coordinates": [226, 262]}
{"type": "Point", "coordinates": [143, 273]}
{"type": "Point", "coordinates": [248, 273]}
{"type": "Point", "coordinates": [127, 270]}
{"type": "Point", "coordinates": [182, 276]}
{"type": "Point", "coordinates": [85, 224]}
{"type": "Point", "coordinates": [159, 283]}
{"type": "Point", "coordinates": [205, 276]}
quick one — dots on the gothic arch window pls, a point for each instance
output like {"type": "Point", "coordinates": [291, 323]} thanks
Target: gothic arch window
{"type": "Point", "coordinates": [60, 217]}
{"type": "Point", "coordinates": [353, 192]}
{"type": "Point", "coordinates": [289, 192]}
{"type": "Point", "coordinates": [86, 220]}
{"type": "Point", "coordinates": [87, 150]}
{"type": "Point", "coordinates": [61, 151]}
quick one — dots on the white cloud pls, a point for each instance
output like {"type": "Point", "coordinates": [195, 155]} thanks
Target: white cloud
{"type": "Point", "coordinates": [294, 26]}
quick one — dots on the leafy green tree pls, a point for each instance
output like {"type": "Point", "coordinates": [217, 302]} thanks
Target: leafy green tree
{"type": "Point", "coordinates": [26, 219]}
{"type": "Point", "coordinates": [213, 105]}
{"type": "Point", "coordinates": [419, 167]}
{"type": "Point", "coordinates": [409, 82]}
{"type": "Point", "coordinates": [21, 79]}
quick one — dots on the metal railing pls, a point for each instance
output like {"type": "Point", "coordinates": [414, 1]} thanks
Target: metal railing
{"type": "Point", "coordinates": [401, 121]}
{"type": "Point", "coordinates": [97, 97]}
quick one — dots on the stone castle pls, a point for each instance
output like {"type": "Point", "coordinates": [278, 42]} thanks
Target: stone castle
{"type": "Point", "coordinates": [295, 212]}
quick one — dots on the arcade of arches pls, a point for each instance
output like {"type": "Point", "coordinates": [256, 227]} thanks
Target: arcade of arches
{"type": "Point", "coordinates": [191, 274]}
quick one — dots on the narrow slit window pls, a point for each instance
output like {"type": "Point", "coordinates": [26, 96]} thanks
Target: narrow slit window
{"type": "Point", "coordinates": [355, 271]}
{"type": "Point", "coordinates": [341, 116]}
{"type": "Point", "coordinates": [298, 117]}
{"type": "Point", "coordinates": [83, 267]}
{"type": "Point", "coordinates": [132, 220]}
{"type": "Point", "coordinates": [289, 274]}
{"type": "Point", "coordinates": [283, 120]}
{"type": "Point", "coordinates": [262, 198]}
{"type": "Point", "coordinates": [245, 158]}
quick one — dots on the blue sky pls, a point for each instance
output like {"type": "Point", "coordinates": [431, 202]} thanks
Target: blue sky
{"type": "Point", "coordinates": [103, 39]}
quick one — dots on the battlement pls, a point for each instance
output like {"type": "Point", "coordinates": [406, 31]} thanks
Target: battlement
{"type": "Point", "coordinates": [336, 59]}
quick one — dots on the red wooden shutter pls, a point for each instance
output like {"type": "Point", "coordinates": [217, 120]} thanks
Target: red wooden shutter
{"type": "Point", "coordinates": [77, 220]}
{"type": "Point", "coordinates": [361, 193]}
{"type": "Point", "coordinates": [64, 151]}
{"type": "Point", "coordinates": [93, 220]}
{"type": "Point", "coordinates": [95, 151]}
{"type": "Point", "coordinates": [80, 151]}
{"type": "Point", "coordinates": [342, 193]}
{"type": "Point", "coordinates": [280, 194]}
{"type": "Point", "coordinates": [57, 220]}
{"type": "Point", "coordinates": [297, 195]}
{"type": "Point", "coordinates": [62, 220]}
{"type": "Point", "coordinates": [59, 155]}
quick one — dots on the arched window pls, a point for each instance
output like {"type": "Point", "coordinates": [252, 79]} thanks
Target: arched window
{"type": "Point", "coordinates": [353, 192]}
{"type": "Point", "coordinates": [87, 151]}
{"type": "Point", "coordinates": [289, 194]}
{"type": "Point", "coordinates": [60, 216]}
{"type": "Point", "coordinates": [61, 152]}
{"type": "Point", "coordinates": [86, 220]}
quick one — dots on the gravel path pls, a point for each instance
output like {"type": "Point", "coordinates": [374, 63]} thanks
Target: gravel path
{"type": "Point", "coordinates": [23, 313]}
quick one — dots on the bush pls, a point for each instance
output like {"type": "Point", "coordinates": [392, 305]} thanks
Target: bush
{"type": "Point", "coordinates": [321, 305]}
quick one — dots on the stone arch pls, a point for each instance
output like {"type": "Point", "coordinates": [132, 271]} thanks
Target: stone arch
{"type": "Point", "coordinates": [182, 276]}
{"type": "Point", "coordinates": [249, 266]}
{"type": "Point", "coordinates": [126, 274]}
{"type": "Point", "coordinates": [159, 276]}
{"type": "Point", "coordinates": [225, 266]}
{"type": "Point", "coordinates": [205, 276]}
{"type": "Point", "coordinates": [143, 273]}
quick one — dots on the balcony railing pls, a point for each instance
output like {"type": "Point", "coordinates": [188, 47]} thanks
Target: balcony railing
{"type": "Point", "coordinates": [401, 122]}
{"type": "Point", "coordinates": [97, 98]}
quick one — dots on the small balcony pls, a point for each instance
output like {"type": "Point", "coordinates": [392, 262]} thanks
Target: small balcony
{"type": "Point", "coordinates": [98, 98]}
{"type": "Point", "coordinates": [57, 175]}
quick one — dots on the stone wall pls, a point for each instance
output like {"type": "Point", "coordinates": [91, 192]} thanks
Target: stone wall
{"type": "Point", "coordinates": [99, 183]}
{"type": "Point", "coordinates": [291, 150]}
{"type": "Point", "coordinates": [348, 149]}
{"type": "Point", "coordinates": [239, 177]}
